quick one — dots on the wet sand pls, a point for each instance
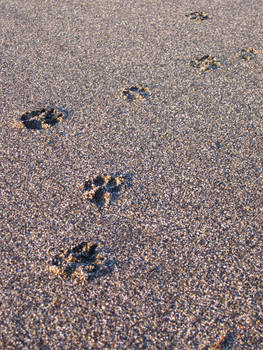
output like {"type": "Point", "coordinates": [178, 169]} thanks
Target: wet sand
{"type": "Point", "coordinates": [169, 109]}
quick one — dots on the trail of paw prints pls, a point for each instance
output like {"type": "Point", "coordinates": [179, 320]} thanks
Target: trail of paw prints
{"type": "Point", "coordinates": [205, 63]}
{"type": "Point", "coordinates": [140, 92]}
{"type": "Point", "coordinates": [83, 261]}
{"type": "Point", "coordinates": [103, 189]}
{"type": "Point", "coordinates": [44, 118]}
{"type": "Point", "coordinates": [198, 16]}
{"type": "Point", "coordinates": [247, 54]}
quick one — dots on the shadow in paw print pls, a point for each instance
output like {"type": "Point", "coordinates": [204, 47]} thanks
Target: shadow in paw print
{"type": "Point", "coordinates": [205, 63]}
{"type": "Point", "coordinates": [226, 341]}
{"type": "Point", "coordinates": [40, 345]}
{"type": "Point", "coordinates": [248, 54]}
{"type": "Point", "coordinates": [136, 93]}
{"type": "Point", "coordinates": [103, 189]}
{"type": "Point", "coordinates": [84, 261]}
{"type": "Point", "coordinates": [43, 118]}
{"type": "Point", "coordinates": [198, 16]}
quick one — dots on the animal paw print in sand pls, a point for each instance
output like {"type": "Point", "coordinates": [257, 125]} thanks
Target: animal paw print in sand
{"type": "Point", "coordinates": [83, 261]}
{"type": "Point", "coordinates": [198, 16]}
{"type": "Point", "coordinates": [136, 93]}
{"type": "Point", "coordinates": [42, 118]}
{"type": "Point", "coordinates": [248, 54]}
{"type": "Point", "coordinates": [102, 189]}
{"type": "Point", "coordinates": [205, 63]}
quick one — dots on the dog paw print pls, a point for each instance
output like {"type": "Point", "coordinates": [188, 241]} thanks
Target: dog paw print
{"type": "Point", "coordinates": [198, 16]}
{"type": "Point", "coordinates": [205, 63]}
{"type": "Point", "coordinates": [42, 119]}
{"type": "Point", "coordinates": [83, 261]}
{"type": "Point", "coordinates": [248, 54]}
{"type": "Point", "coordinates": [102, 189]}
{"type": "Point", "coordinates": [136, 93]}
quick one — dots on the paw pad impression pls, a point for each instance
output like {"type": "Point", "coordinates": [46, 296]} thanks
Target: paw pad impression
{"type": "Point", "coordinates": [83, 261]}
{"type": "Point", "coordinates": [205, 63]}
{"type": "Point", "coordinates": [198, 16]}
{"type": "Point", "coordinates": [103, 188]}
{"type": "Point", "coordinates": [136, 93]}
{"type": "Point", "coordinates": [248, 54]}
{"type": "Point", "coordinates": [42, 118]}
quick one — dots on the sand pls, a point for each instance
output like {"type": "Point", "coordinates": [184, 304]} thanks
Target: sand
{"type": "Point", "coordinates": [168, 103]}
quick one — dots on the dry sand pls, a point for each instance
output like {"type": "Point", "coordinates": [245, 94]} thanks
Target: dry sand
{"type": "Point", "coordinates": [182, 240]}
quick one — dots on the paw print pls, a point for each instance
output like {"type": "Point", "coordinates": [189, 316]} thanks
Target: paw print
{"type": "Point", "coordinates": [205, 63]}
{"type": "Point", "coordinates": [198, 16]}
{"type": "Point", "coordinates": [136, 93]}
{"type": "Point", "coordinates": [102, 189]}
{"type": "Point", "coordinates": [83, 261]}
{"type": "Point", "coordinates": [248, 54]}
{"type": "Point", "coordinates": [42, 118]}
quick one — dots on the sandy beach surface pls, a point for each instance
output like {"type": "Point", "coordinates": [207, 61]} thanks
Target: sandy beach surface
{"type": "Point", "coordinates": [131, 196]}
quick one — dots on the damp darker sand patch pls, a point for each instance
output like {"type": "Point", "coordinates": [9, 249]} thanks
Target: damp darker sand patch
{"type": "Point", "coordinates": [44, 118]}
{"type": "Point", "coordinates": [136, 92]}
{"type": "Point", "coordinates": [198, 16]}
{"type": "Point", "coordinates": [103, 189]}
{"type": "Point", "coordinates": [205, 63]}
{"type": "Point", "coordinates": [84, 261]}
{"type": "Point", "coordinates": [247, 54]}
